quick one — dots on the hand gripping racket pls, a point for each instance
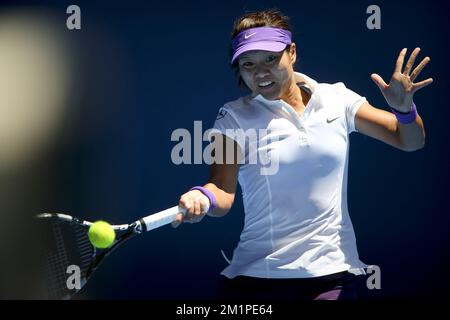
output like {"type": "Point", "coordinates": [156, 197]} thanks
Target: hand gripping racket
{"type": "Point", "coordinates": [71, 259]}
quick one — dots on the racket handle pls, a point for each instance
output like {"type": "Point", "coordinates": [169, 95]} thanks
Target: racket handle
{"type": "Point", "coordinates": [161, 218]}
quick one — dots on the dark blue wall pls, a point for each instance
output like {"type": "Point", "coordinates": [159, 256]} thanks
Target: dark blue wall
{"type": "Point", "coordinates": [147, 69]}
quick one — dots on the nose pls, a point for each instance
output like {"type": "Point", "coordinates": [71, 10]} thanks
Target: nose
{"type": "Point", "coordinates": [261, 72]}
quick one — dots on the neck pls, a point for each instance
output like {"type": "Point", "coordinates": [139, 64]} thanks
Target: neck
{"type": "Point", "coordinates": [293, 96]}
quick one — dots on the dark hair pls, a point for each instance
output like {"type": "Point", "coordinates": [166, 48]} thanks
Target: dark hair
{"type": "Point", "coordinates": [265, 18]}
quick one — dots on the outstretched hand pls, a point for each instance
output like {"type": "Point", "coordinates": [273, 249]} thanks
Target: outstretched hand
{"type": "Point", "coordinates": [399, 92]}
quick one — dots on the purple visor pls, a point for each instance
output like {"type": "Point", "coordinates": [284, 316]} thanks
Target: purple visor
{"type": "Point", "coordinates": [262, 38]}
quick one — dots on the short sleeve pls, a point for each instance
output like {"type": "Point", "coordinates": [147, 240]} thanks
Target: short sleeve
{"type": "Point", "coordinates": [352, 102]}
{"type": "Point", "coordinates": [227, 125]}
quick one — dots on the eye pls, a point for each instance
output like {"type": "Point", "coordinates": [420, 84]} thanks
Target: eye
{"type": "Point", "coordinates": [271, 58]}
{"type": "Point", "coordinates": [247, 64]}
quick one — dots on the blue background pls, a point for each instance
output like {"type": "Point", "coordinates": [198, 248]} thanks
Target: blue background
{"type": "Point", "coordinates": [146, 69]}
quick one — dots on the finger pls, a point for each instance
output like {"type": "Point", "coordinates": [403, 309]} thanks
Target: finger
{"type": "Point", "coordinates": [411, 61]}
{"type": "Point", "coordinates": [175, 224]}
{"type": "Point", "coordinates": [198, 218]}
{"type": "Point", "coordinates": [400, 60]}
{"type": "Point", "coordinates": [179, 217]}
{"type": "Point", "coordinates": [419, 68]}
{"type": "Point", "coordinates": [188, 206]}
{"type": "Point", "coordinates": [191, 210]}
{"type": "Point", "coordinates": [204, 204]}
{"type": "Point", "coordinates": [197, 208]}
{"type": "Point", "coordinates": [178, 220]}
{"type": "Point", "coordinates": [421, 84]}
{"type": "Point", "coordinates": [183, 202]}
{"type": "Point", "coordinates": [379, 81]}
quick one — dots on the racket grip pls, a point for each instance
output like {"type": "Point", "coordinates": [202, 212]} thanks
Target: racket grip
{"type": "Point", "coordinates": [161, 218]}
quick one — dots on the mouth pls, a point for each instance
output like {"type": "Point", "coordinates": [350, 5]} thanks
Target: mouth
{"type": "Point", "coordinates": [265, 84]}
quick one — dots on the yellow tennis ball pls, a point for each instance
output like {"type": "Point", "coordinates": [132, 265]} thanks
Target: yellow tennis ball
{"type": "Point", "coordinates": [101, 234]}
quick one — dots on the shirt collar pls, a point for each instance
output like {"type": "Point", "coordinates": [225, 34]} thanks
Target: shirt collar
{"type": "Point", "coordinates": [304, 81]}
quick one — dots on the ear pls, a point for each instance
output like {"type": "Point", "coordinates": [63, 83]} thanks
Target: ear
{"type": "Point", "coordinates": [293, 52]}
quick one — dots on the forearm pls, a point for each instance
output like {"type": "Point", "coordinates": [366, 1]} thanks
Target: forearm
{"type": "Point", "coordinates": [224, 200]}
{"type": "Point", "coordinates": [411, 136]}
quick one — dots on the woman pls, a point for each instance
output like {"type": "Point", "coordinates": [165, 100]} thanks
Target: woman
{"type": "Point", "coordinates": [298, 241]}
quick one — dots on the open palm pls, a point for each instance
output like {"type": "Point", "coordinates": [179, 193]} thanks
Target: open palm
{"type": "Point", "coordinates": [400, 90]}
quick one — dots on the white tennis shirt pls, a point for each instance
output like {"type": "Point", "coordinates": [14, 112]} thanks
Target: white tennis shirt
{"type": "Point", "coordinates": [297, 223]}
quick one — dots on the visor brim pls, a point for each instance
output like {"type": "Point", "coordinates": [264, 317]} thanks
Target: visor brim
{"type": "Point", "coordinates": [260, 45]}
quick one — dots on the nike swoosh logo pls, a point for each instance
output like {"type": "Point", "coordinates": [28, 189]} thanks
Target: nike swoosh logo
{"type": "Point", "coordinates": [331, 120]}
{"type": "Point", "coordinates": [249, 35]}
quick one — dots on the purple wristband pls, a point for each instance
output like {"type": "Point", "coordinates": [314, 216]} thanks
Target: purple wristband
{"type": "Point", "coordinates": [209, 194]}
{"type": "Point", "coordinates": [406, 118]}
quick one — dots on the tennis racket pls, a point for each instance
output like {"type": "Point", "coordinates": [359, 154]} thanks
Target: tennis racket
{"type": "Point", "coordinates": [71, 259]}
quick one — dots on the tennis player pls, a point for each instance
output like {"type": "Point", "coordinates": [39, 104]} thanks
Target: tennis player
{"type": "Point", "coordinates": [298, 241]}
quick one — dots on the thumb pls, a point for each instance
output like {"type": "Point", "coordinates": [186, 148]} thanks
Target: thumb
{"type": "Point", "coordinates": [379, 81]}
{"type": "Point", "coordinates": [178, 220]}
{"type": "Point", "coordinates": [175, 224]}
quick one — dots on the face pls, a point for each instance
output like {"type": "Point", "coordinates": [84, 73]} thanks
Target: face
{"type": "Point", "coordinates": [268, 73]}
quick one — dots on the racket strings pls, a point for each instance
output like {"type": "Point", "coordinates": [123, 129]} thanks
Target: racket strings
{"type": "Point", "coordinates": [85, 248]}
{"type": "Point", "coordinates": [57, 264]}
{"type": "Point", "coordinates": [71, 248]}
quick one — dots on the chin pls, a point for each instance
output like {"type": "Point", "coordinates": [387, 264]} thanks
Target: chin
{"type": "Point", "coordinates": [270, 95]}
